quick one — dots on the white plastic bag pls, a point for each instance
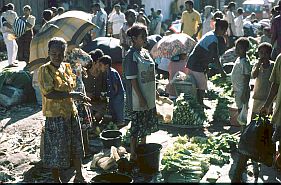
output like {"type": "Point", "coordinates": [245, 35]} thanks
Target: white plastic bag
{"type": "Point", "coordinates": [242, 117]}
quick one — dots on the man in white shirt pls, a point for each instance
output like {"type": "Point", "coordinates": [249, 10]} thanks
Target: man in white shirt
{"type": "Point", "coordinates": [230, 19]}
{"type": "Point", "coordinates": [116, 21]}
{"type": "Point", "coordinates": [239, 23]}
{"type": "Point", "coordinates": [7, 20]}
{"type": "Point", "coordinates": [231, 31]}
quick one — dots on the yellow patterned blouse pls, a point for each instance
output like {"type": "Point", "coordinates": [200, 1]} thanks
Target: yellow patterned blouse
{"type": "Point", "coordinates": [61, 79]}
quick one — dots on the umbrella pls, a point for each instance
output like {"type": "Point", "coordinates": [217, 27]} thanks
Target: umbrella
{"type": "Point", "coordinates": [173, 45]}
{"type": "Point", "coordinates": [109, 45]}
{"type": "Point", "coordinates": [176, 26]}
{"type": "Point", "coordinates": [71, 25]}
{"type": "Point", "coordinates": [152, 40]}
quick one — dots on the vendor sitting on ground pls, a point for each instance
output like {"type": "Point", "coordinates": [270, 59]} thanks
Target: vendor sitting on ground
{"type": "Point", "coordinates": [206, 51]}
{"type": "Point", "coordinates": [115, 90]}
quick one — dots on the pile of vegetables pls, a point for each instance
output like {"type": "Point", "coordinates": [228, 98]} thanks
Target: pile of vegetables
{"type": "Point", "coordinates": [111, 126]}
{"type": "Point", "coordinates": [189, 159]}
{"type": "Point", "coordinates": [188, 112]}
{"type": "Point", "coordinates": [252, 52]}
{"type": "Point", "coordinates": [183, 162]}
{"type": "Point", "coordinates": [126, 138]}
{"type": "Point", "coordinates": [224, 83]}
{"type": "Point", "coordinates": [221, 113]}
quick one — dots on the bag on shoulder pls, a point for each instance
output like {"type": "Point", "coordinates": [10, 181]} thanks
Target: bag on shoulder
{"type": "Point", "coordinates": [256, 143]}
{"type": "Point", "coordinates": [19, 27]}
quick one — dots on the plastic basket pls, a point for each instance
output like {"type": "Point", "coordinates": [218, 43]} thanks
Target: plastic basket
{"type": "Point", "coordinates": [187, 88]}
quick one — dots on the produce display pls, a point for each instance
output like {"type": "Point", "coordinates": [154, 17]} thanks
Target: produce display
{"type": "Point", "coordinates": [188, 112]}
{"type": "Point", "coordinates": [252, 52]}
{"type": "Point", "coordinates": [223, 83]}
{"type": "Point", "coordinates": [126, 138]}
{"type": "Point", "coordinates": [189, 159]}
{"type": "Point", "coordinates": [221, 113]}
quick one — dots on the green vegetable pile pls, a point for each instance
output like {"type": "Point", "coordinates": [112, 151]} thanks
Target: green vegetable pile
{"type": "Point", "coordinates": [252, 52]}
{"type": "Point", "coordinates": [224, 83]}
{"type": "Point", "coordinates": [188, 112]}
{"type": "Point", "coordinates": [188, 160]}
{"type": "Point", "coordinates": [126, 139]}
{"type": "Point", "coordinates": [183, 162]}
{"type": "Point", "coordinates": [221, 113]}
{"type": "Point", "coordinates": [219, 148]}
{"type": "Point", "coordinates": [111, 126]}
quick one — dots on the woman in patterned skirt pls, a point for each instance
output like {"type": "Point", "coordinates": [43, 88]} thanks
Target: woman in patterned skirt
{"type": "Point", "coordinates": [62, 137]}
{"type": "Point", "coordinates": [140, 88]}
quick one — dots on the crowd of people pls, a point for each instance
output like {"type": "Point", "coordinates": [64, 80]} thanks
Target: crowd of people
{"type": "Point", "coordinates": [74, 84]}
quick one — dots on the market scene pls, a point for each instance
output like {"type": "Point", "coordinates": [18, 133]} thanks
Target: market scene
{"type": "Point", "coordinates": [132, 91]}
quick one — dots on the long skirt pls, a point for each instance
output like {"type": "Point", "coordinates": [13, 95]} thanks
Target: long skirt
{"type": "Point", "coordinates": [143, 123]}
{"type": "Point", "coordinates": [62, 141]}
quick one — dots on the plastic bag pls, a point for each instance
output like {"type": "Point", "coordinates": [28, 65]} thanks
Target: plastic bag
{"type": "Point", "coordinates": [256, 143]}
{"type": "Point", "coordinates": [242, 117]}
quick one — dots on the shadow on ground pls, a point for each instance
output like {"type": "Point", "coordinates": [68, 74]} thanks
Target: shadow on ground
{"type": "Point", "coordinates": [17, 113]}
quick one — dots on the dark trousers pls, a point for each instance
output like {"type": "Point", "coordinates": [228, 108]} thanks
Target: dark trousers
{"type": "Point", "coordinates": [24, 46]}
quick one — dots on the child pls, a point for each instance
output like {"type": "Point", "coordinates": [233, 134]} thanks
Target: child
{"type": "Point", "coordinates": [240, 78]}
{"type": "Point", "coordinates": [261, 72]}
{"type": "Point", "coordinates": [115, 90]}
{"type": "Point", "coordinates": [240, 75]}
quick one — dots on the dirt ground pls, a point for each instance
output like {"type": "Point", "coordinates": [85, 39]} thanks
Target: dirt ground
{"type": "Point", "coordinates": [20, 147]}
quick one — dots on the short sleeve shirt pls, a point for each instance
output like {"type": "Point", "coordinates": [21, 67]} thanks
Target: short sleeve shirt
{"type": "Point", "coordinates": [62, 80]}
{"type": "Point", "coordinates": [230, 19]}
{"type": "Point", "coordinates": [117, 21]}
{"type": "Point", "coordinates": [31, 20]}
{"type": "Point", "coordinates": [140, 66]}
{"type": "Point", "coordinates": [191, 22]}
{"type": "Point", "coordinates": [241, 68]}
{"type": "Point", "coordinates": [201, 55]}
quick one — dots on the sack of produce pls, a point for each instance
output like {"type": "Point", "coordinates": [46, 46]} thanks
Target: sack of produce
{"type": "Point", "coordinates": [256, 143]}
{"type": "Point", "coordinates": [10, 96]}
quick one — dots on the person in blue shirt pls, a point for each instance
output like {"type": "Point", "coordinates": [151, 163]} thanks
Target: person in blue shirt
{"type": "Point", "coordinates": [115, 90]}
{"type": "Point", "coordinates": [205, 52]}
